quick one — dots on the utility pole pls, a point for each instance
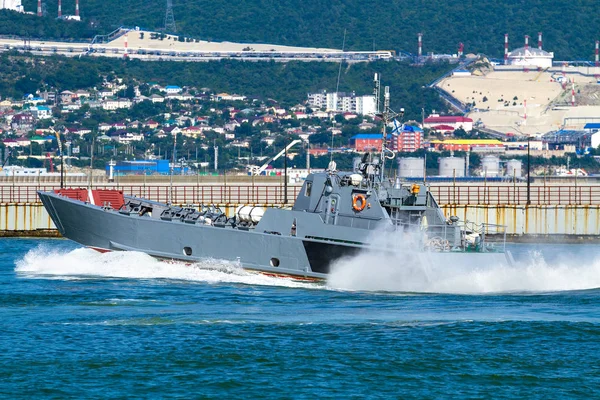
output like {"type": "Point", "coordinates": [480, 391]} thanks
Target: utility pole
{"type": "Point", "coordinates": [285, 199]}
{"type": "Point", "coordinates": [172, 169]}
{"type": "Point", "coordinates": [308, 153]}
{"type": "Point", "coordinates": [92, 162]}
{"type": "Point", "coordinates": [62, 164]}
{"type": "Point", "coordinates": [62, 179]}
{"type": "Point", "coordinates": [216, 155]}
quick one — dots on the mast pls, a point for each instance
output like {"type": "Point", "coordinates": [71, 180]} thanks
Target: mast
{"type": "Point", "coordinates": [385, 116]}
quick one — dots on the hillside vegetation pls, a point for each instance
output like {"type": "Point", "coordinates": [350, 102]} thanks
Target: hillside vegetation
{"type": "Point", "coordinates": [32, 26]}
{"type": "Point", "coordinates": [287, 83]}
{"type": "Point", "coordinates": [569, 26]}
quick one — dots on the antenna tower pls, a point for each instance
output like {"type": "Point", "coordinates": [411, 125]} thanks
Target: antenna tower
{"type": "Point", "coordinates": [170, 18]}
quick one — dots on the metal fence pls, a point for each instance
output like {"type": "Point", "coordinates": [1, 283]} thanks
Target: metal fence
{"type": "Point", "coordinates": [180, 194]}
{"type": "Point", "coordinates": [517, 195]}
{"type": "Point", "coordinates": [274, 194]}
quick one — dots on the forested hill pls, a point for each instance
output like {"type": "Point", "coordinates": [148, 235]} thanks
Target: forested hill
{"type": "Point", "coordinates": [288, 83]}
{"type": "Point", "coordinates": [570, 27]}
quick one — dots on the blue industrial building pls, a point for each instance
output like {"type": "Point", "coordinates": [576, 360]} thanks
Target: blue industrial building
{"type": "Point", "coordinates": [145, 167]}
{"type": "Point", "coordinates": [592, 126]}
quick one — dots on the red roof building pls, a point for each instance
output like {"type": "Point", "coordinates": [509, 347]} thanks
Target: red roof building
{"type": "Point", "coordinates": [450, 120]}
{"type": "Point", "coordinates": [408, 140]}
{"type": "Point", "coordinates": [445, 129]}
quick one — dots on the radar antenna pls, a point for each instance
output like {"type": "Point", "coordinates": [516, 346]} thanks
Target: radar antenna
{"type": "Point", "coordinates": [376, 92]}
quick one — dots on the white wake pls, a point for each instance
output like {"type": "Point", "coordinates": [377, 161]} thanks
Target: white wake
{"type": "Point", "coordinates": [392, 271]}
{"type": "Point", "coordinates": [402, 270]}
{"type": "Point", "coordinates": [84, 263]}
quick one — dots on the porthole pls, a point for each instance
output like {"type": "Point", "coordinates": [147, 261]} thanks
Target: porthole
{"type": "Point", "coordinates": [274, 262]}
{"type": "Point", "coordinates": [187, 251]}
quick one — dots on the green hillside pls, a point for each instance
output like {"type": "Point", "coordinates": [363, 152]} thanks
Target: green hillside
{"type": "Point", "coordinates": [287, 83]}
{"type": "Point", "coordinates": [570, 27]}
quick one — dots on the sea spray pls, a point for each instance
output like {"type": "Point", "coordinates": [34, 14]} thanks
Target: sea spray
{"type": "Point", "coordinates": [403, 267]}
{"type": "Point", "coordinates": [85, 263]}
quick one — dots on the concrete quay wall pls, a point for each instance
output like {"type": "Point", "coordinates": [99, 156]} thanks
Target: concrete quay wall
{"type": "Point", "coordinates": [541, 221]}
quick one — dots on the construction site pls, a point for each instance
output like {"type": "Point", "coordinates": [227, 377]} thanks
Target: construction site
{"type": "Point", "coordinates": [527, 93]}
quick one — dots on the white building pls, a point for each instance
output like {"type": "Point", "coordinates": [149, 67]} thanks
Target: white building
{"type": "Point", "coordinates": [41, 112]}
{"type": "Point", "coordinates": [365, 105]}
{"type": "Point", "coordinates": [128, 137]}
{"type": "Point", "coordinates": [342, 102]}
{"type": "Point", "coordinates": [113, 104]}
{"type": "Point", "coordinates": [155, 98]}
{"type": "Point", "coordinates": [530, 57]}
{"type": "Point", "coordinates": [227, 97]}
{"type": "Point", "coordinates": [14, 5]}
{"type": "Point", "coordinates": [104, 92]}
{"type": "Point", "coordinates": [595, 139]}
{"type": "Point", "coordinates": [171, 89]}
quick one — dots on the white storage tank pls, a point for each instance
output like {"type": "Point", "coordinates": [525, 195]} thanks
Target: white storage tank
{"type": "Point", "coordinates": [452, 166]}
{"type": "Point", "coordinates": [411, 167]}
{"type": "Point", "coordinates": [490, 166]}
{"type": "Point", "coordinates": [514, 168]}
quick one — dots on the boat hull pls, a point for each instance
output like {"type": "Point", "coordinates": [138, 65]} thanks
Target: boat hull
{"type": "Point", "coordinates": [109, 230]}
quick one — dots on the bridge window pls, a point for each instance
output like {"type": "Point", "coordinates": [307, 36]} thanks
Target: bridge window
{"type": "Point", "coordinates": [307, 188]}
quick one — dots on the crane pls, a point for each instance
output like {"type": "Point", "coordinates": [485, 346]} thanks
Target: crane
{"type": "Point", "coordinates": [6, 156]}
{"type": "Point", "coordinates": [49, 158]}
{"type": "Point", "coordinates": [254, 170]}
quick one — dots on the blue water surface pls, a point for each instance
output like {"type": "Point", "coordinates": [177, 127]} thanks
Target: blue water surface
{"type": "Point", "coordinates": [138, 332]}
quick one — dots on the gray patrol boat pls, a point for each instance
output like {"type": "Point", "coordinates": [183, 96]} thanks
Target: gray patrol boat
{"type": "Point", "coordinates": [336, 215]}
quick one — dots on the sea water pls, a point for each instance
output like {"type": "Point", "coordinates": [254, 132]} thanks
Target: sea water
{"type": "Point", "coordinates": [79, 324]}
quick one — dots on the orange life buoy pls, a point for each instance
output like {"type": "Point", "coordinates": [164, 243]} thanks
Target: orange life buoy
{"type": "Point", "coordinates": [359, 202]}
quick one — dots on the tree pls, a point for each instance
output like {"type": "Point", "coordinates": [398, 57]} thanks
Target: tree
{"type": "Point", "coordinates": [129, 92]}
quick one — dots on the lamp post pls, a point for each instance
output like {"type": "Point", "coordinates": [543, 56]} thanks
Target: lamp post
{"type": "Point", "coordinates": [528, 171]}
{"type": "Point", "coordinates": [62, 165]}
{"type": "Point", "coordinates": [60, 149]}
{"type": "Point", "coordinates": [285, 199]}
